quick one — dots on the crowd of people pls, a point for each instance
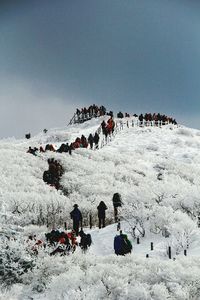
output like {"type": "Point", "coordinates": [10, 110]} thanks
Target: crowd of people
{"type": "Point", "coordinates": [64, 242]}
{"type": "Point", "coordinates": [80, 142]}
{"type": "Point", "coordinates": [120, 115]}
{"type": "Point", "coordinates": [35, 150]}
{"type": "Point", "coordinates": [148, 117]}
{"type": "Point", "coordinates": [53, 174]}
{"type": "Point", "coordinates": [92, 110]}
{"type": "Point", "coordinates": [156, 117]}
{"type": "Point", "coordinates": [108, 128]}
{"type": "Point", "coordinates": [84, 114]}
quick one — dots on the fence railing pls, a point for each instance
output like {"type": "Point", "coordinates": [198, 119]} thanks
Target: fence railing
{"type": "Point", "coordinates": [82, 117]}
{"type": "Point", "coordinates": [138, 123]}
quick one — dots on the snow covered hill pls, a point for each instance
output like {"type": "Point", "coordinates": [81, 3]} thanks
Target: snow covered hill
{"type": "Point", "coordinates": [157, 172]}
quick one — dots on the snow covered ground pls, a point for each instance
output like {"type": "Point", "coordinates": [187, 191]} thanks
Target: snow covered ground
{"type": "Point", "coordinates": [157, 172]}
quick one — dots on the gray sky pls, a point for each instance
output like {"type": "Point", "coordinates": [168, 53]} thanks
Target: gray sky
{"type": "Point", "coordinates": [129, 55]}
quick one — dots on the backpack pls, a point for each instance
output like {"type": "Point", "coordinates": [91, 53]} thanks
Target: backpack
{"type": "Point", "coordinates": [88, 239]}
{"type": "Point", "coordinates": [47, 177]}
{"type": "Point", "coordinates": [118, 244]}
{"type": "Point", "coordinates": [117, 202]}
{"type": "Point", "coordinates": [126, 245]}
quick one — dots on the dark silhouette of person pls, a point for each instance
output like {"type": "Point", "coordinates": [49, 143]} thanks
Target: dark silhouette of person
{"type": "Point", "coordinates": [117, 202]}
{"type": "Point", "coordinates": [76, 216]}
{"type": "Point", "coordinates": [101, 214]}
{"type": "Point", "coordinates": [96, 140]}
{"type": "Point", "coordinates": [91, 140]}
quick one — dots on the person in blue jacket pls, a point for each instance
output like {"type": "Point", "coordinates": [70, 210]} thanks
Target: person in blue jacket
{"type": "Point", "coordinates": [122, 245]}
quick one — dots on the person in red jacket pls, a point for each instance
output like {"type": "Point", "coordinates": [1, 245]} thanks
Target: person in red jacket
{"type": "Point", "coordinates": [72, 237]}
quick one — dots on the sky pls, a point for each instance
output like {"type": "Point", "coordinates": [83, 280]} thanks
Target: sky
{"type": "Point", "coordinates": [132, 56]}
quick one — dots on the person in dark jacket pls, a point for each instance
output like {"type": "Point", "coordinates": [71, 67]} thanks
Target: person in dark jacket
{"type": "Point", "coordinates": [122, 245]}
{"type": "Point", "coordinates": [91, 140]}
{"type": "Point", "coordinates": [101, 214]}
{"type": "Point", "coordinates": [76, 216]}
{"type": "Point", "coordinates": [117, 202]}
{"type": "Point", "coordinates": [96, 140]}
{"type": "Point", "coordinates": [85, 241]}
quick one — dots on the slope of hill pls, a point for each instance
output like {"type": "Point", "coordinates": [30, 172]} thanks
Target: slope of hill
{"type": "Point", "coordinates": [156, 170]}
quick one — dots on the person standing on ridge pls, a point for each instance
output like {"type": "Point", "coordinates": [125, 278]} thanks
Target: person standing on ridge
{"type": "Point", "coordinates": [76, 216]}
{"type": "Point", "coordinates": [101, 214]}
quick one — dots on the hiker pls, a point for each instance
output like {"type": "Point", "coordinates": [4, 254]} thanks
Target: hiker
{"type": "Point", "coordinates": [85, 241]}
{"type": "Point", "coordinates": [71, 148]}
{"type": "Point", "coordinates": [120, 115]}
{"type": "Point", "coordinates": [76, 216]}
{"type": "Point", "coordinates": [32, 151]}
{"type": "Point", "coordinates": [101, 214]}
{"type": "Point", "coordinates": [96, 140]}
{"type": "Point", "coordinates": [72, 237]}
{"type": "Point", "coordinates": [84, 142]}
{"type": "Point", "coordinates": [117, 202]}
{"type": "Point", "coordinates": [91, 140]}
{"type": "Point", "coordinates": [122, 244]}
{"type": "Point", "coordinates": [42, 149]}
{"type": "Point", "coordinates": [48, 178]}
{"type": "Point", "coordinates": [53, 170]}
{"type": "Point", "coordinates": [61, 148]}
{"type": "Point", "coordinates": [53, 237]}
{"type": "Point", "coordinates": [63, 245]}
{"type": "Point", "coordinates": [141, 118]}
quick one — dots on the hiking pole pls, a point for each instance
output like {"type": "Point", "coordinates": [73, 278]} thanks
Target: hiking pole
{"type": "Point", "coordinates": [118, 225]}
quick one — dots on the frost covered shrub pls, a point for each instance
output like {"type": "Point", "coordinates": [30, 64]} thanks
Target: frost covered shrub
{"type": "Point", "coordinates": [184, 132]}
{"type": "Point", "coordinates": [88, 277]}
{"type": "Point", "coordinates": [14, 261]}
{"type": "Point", "coordinates": [136, 215]}
{"type": "Point", "coordinates": [183, 231]}
{"type": "Point", "coordinates": [160, 218]}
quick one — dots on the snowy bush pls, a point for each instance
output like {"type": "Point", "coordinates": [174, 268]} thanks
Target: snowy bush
{"type": "Point", "coordinates": [14, 261]}
{"type": "Point", "coordinates": [185, 132]}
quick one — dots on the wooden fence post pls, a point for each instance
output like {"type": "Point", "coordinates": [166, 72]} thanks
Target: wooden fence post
{"type": "Point", "coordinates": [65, 225]}
{"type": "Point", "coordinates": [118, 225]}
{"type": "Point", "coordinates": [90, 221]}
{"type": "Point", "coordinates": [151, 246]}
{"type": "Point", "coordinates": [170, 253]}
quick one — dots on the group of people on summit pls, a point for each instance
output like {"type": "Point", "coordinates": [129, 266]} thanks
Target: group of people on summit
{"type": "Point", "coordinates": [92, 111]}
{"type": "Point", "coordinates": [156, 117]}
